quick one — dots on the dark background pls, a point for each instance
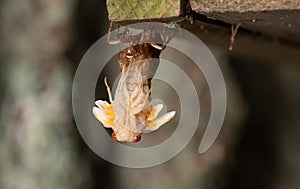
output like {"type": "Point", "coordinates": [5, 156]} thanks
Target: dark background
{"type": "Point", "coordinates": [42, 43]}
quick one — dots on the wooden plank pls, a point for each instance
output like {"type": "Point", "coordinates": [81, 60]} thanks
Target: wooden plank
{"type": "Point", "coordinates": [243, 5]}
{"type": "Point", "coordinates": [278, 19]}
{"type": "Point", "coordinates": [246, 43]}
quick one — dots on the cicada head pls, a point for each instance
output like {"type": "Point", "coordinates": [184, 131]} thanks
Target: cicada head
{"type": "Point", "coordinates": [126, 137]}
{"type": "Point", "coordinates": [106, 115]}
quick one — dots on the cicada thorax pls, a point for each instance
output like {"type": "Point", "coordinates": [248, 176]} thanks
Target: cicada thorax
{"type": "Point", "coordinates": [144, 56]}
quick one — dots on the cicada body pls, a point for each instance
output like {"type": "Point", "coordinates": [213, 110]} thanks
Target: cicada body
{"type": "Point", "coordinates": [129, 114]}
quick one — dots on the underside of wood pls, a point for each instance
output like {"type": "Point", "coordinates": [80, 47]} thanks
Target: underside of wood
{"type": "Point", "coordinates": [279, 19]}
{"type": "Point", "coordinates": [246, 43]}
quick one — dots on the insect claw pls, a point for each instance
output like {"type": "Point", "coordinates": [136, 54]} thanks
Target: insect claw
{"type": "Point", "coordinates": [158, 47]}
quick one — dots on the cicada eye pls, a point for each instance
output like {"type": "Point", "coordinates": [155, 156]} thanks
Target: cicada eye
{"type": "Point", "coordinates": [114, 136]}
{"type": "Point", "coordinates": [137, 138]}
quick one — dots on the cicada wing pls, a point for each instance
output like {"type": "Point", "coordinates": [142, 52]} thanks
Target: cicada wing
{"type": "Point", "coordinates": [158, 122]}
{"type": "Point", "coordinates": [104, 113]}
{"type": "Point", "coordinates": [154, 111]}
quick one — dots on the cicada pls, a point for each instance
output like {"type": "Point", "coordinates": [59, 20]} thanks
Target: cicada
{"type": "Point", "coordinates": [130, 113]}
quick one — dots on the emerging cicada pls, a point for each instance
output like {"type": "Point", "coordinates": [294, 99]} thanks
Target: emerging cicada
{"type": "Point", "coordinates": [129, 114]}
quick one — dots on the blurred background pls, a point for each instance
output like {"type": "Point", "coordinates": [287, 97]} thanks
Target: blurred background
{"type": "Point", "coordinates": [42, 43]}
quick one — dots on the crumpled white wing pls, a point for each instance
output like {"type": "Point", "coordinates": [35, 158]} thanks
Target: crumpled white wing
{"type": "Point", "coordinates": [158, 122]}
{"type": "Point", "coordinates": [155, 111]}
{"type": "Point", "coordinates": [103, 113]}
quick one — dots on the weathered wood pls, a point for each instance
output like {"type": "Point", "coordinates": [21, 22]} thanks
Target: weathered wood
{"type": "Point", "coordinates": [257, 46]}
{"type": "Point", "coordinates": [279, 19]}
{"type": "Point", "coordinates": [243, 5]}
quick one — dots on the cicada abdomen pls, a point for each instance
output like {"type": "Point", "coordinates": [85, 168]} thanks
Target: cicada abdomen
{"type": "Point", "coordinates": [129, 114]}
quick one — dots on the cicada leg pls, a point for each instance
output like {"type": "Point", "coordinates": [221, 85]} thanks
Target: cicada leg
{"type": "Point", "coordinates": [108, 90]}
{"type": "Point", "coordinates": [109, 40]}
{"type": "Point", "coordinates": [119, 37]}
{"type": "Point", "coordinates": [124, 37]}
